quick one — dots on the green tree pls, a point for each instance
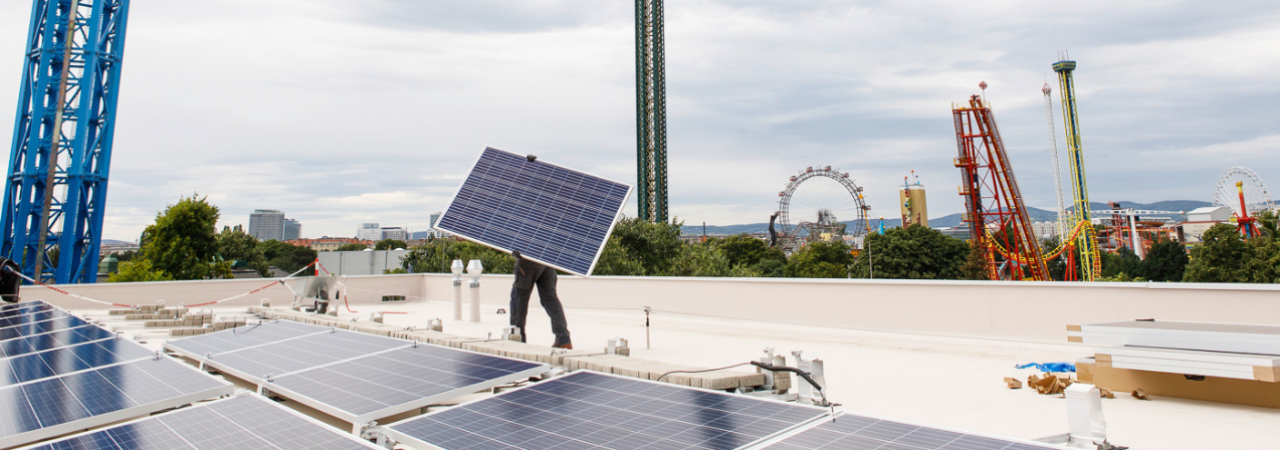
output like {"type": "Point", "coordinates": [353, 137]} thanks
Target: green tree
{"type": "Point", "coordinates": [1166, 261]}
{"type": "Point", "coordinates": [706, 260]}
{"type": "Point", "coordinates": [820, 260]}
{"type": "Point", "coordinates": [651, 247]}
{"type": "Point", "coordinates": [236, 245]}
{"type": "Point", "coordinates": [390, 244]}
{"type": "Point", "coordinates": [744, 250]}
{"type": "Point", "coordinates": [140, 270]}
{"type": "Point", "coordinates": [352, 247]}
{"type": "Point", "coordinates": [288, 257]}
{"type": "Point", "coordinates": [914, 252]}
{"type": "Point", "coordinates": [183, 242]}
{"type": "Point", "coordinates": [1121, 265]}
{"type": "Point", "coordinates": [975, 264]}
{"type": "Point", "coordinates": [1220, 258]}
{"type": "Point", "coordinates": [438, 255]}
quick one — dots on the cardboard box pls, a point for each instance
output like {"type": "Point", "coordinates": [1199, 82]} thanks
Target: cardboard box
{"type": "Point", "coordinates": [1211, 389]}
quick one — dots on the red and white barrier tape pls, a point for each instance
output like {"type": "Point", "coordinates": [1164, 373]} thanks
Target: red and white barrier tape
{"type": "Point", "coordinates": [122, 305]}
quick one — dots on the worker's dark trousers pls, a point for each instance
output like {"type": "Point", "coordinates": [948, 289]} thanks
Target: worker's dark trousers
{"type": "Point", "coordinates": [529, 274]}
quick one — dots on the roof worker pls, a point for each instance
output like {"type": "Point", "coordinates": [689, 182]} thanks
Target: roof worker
{"type": "Point", "coordinates": [528, 274]}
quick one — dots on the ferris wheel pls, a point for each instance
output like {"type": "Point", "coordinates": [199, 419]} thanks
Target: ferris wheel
{"type": "Point", "coordinates": [821, 200]}
{"type": "Point", "coordinates": [1256, 196]}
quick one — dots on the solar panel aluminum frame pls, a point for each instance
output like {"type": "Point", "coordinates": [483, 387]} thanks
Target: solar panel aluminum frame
{"type": "Point", "coordinates": [297, 414]}
{"type": "Point", "coordinates": [780, 437]}
{"type": "Point", "coordinates": [357, 420]}
{"type": "Point", "coordinates": [116, 416]}
{"type": "Point", "coordinates": [390, 431]}
{"type": "Point", "coordinates": [599, 251]}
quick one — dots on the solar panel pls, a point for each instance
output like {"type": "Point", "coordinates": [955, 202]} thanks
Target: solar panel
{"type": "Point", "coordinates": [34, 315]}
{"type": "Point", "coordinates": [23, 308]}
{"type": "Point", "coordinates": [854, 432]}
{"type": "Point", "coordinates": [9, 306]}
{"type": "Point", "coordinates": [240, 338]}
{"type": "Point", "coordinates": [49, 341]}
{"type": "Point", "coordinates": [383, 384]}
{"type": "Point", "coordinates": [379, 376]}
{"type": "Point", "coordinates": [55, 406]}
{"type": "Point", "coordinates": [589, 410]}
{"type": "Point", "coordinates": [246, 421]}
{"type": "Point", "coordinates": [41, 327]}
{"type": "Point", "coordinates": [550, 214]}
{"type": "Point", "coordinates": [65, 360]}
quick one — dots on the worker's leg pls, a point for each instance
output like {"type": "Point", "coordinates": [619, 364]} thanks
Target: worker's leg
{"type": "Point", "coordinates": [520, 309]}
{"type": "Point", "coordinates": [551, 303]}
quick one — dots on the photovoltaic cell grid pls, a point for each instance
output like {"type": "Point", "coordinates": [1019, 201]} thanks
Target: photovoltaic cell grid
{"type": "Point", "coordinates": [65, 360]}
{"type": "Point", "coordinates": [853, 432]}
{"type": "Point", "coordinates": [378, 382]}
{"type": "Point", "coordinates": [54, 406]}
{"type": "Point", "coordinates": [48, 341]}
{"type": "Point", "coordinates": [243, 337]}
{"type": "Point", "coordinates": [244, 422]}
{"type": "Point", "coordinates": [377, 374]}
{"type": "Point", "coordinates": [41, 327]}
{"type": "Point", "coordinates": [548, 213]}
{"type": "Point", "coordinates": [588, 410]}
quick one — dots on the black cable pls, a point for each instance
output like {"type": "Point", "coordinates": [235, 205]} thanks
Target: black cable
{"type": "Point", "coordinates": [703, 370]}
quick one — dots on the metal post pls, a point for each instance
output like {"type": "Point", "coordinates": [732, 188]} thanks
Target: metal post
{"type": "Point", "coordinates": [456, 268]}
{"type": "Point", "coordinates": [647, 310]}
{"type": "Point", "coordinates": [474, 269]}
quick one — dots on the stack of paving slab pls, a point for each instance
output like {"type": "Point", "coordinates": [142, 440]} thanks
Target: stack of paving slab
{"type": "Point", "coordinates": [572, 359]}
{"type": "Point", "coordinates": [180, 320]}
{"type": "Point", "coordinates": [1184, 359]}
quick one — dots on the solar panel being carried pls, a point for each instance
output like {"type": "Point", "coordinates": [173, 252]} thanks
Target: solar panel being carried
{"type": "Point", "coordinates": [588, 410]}
{"type": "Point", "coordinates": [550, 214]}
{"type": "Point", "coordinates": [246, 421]}
{"type": "Point", "coordinates": [355, 377]}
{"type": "Point", "coordinates": [854, 432]}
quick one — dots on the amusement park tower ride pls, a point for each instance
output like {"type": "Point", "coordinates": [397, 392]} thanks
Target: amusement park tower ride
{"type": "Point", "coordinates": [61, 152]}
{"type": "Point", "coordinates": [651, 112]}
{"type": "Point", "coordinates": [1090, 259]}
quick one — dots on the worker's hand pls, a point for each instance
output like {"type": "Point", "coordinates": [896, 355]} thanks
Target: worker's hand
{"type": "Point", "coordinates": [515, 253]}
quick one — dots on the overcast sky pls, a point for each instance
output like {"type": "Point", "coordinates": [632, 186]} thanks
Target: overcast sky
{"type": "Point", "coordinates": [342, 112]}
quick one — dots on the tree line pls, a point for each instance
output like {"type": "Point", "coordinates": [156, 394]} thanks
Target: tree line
{"type": "Point", "coordinates": [183, 245]}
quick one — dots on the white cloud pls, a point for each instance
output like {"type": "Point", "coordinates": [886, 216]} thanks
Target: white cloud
{"type": "Point", "coordinates": [341, 112]}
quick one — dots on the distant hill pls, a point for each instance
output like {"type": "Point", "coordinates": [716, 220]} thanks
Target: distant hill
{"type": "Point", "coordinates": [115, 242]}
{"type": "Point", "coordinates": [953, 220]}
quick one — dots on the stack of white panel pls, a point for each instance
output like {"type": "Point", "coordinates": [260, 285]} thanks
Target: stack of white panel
{"type": "Point", "coordinates": [1242, 351]}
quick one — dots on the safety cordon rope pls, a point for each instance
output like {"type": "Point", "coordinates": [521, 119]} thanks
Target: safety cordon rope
{"type": "Point", "coordinates": [194, 305]}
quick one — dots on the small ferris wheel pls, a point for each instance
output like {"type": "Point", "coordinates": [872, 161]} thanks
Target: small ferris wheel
{"type": "Point", "coordinates": [1238, 180]}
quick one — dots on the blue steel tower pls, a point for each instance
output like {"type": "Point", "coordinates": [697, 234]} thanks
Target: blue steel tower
{"type": "Point", "coordinates": [61, 153]}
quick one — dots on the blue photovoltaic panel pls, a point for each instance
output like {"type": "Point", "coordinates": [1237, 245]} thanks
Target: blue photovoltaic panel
{"type": "Point", "coordinates": [587, 410]}
{"type": "Point", "coordinates": [325, 347]}
{"type": "Point", "coordinates": [548, 213]}
{"type": "Point", "coordinates": [9, 306]}
{"type": "Point", "coordinates": [17, 321]}
{"type": "Point", "coordinates": [18, 316]}
{"type": "Point", "coordinates": [378, 382]}
{"type": "Point", "coordinates": [66, 400]}
{"type": "Point", "coordinates": [49, 341]}
{"type": "Point", "coordinates": [65, 360]}
{"type": "Point", "coordinates": [244, 422]}
{"type": "Point", "coordinates": [41, 327]}
{"type": "Point", "coordinates": [853, 432]}
{"type": "Point", "coordinates": [242, 337]}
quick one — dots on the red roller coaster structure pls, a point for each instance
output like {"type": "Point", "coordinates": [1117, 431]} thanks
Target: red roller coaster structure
{"type": "Point", "coordinates": [997, 218]}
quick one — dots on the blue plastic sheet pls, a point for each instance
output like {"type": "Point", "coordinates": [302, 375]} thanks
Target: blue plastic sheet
{"type": "Point", "coordinates": [1057, 367]}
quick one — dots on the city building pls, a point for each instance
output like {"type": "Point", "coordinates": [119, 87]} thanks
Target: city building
{"type": "Point", "coordinates": [292, 229]}
{"type": "Point", "coordinates": [435, 217]}
{"type": "Point", "coordinates": [1044, 230]}
{"type": "Point", "coordinates": [397, 233]}
{"type": "Point", "coordinates": [369, 232]}
{"type": "Point", "coordinates": [267, 224]}
{"type": "Point", "coordinates": [327, 244]}
{"type": "Point", "coordinates": [1200, 220]}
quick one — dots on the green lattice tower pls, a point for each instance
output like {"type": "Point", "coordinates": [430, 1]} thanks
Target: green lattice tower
{"type": "Point", "coordinates": [1090, 258]}
{"type": "Point", "coordinates": [651, 112]}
